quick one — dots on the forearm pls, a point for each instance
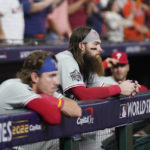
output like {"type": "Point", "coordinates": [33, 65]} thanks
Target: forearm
{"type": "Point", "coordinates": [54, 28]}
{"type": "Point", "coordinates": [72, 8]}
{"type": "Point", "coordinates": [83, 93]}
{"type": "Point", "coordinates": [91, 8]}
{"type": "Point", "coordinates": [1, 31]}
{"type": "Point", "coordinates": [39, 6]}
{"type": "Point", "coordinates": [71, 108]}
{"type": "Point", "coordinates": [125, 23]}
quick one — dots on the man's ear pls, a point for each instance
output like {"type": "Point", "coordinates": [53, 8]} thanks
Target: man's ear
{"type": "Point", "coordinates": [34, 77]}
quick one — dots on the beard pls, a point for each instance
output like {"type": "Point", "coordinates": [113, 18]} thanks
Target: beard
{"type": "Point", "coordinates": [91, 65]}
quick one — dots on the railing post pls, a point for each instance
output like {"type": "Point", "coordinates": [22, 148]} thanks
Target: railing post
{"type": "Point", "coordinates": [125, 137]}
{"type": "Point", "coordinates": [69, 143]}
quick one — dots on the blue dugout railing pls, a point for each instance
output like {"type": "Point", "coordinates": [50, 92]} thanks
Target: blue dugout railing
{"type": "Point", "coordinates": [24, 126]}
{"type": "Point", "coordinates": [19, 53]}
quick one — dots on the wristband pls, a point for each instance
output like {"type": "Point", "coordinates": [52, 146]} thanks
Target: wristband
{"type": "Point", "coordinates": [60, 103]}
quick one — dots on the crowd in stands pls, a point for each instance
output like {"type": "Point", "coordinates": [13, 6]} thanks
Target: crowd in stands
{"type": "Point", "coordinates": [53, 20]}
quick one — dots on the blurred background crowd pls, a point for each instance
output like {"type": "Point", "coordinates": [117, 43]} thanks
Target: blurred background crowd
{"type": "Point", "coordinates": [52, 21]}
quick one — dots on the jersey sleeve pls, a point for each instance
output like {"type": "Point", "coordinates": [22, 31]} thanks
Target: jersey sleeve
{"type": "Point", "coordinates": [69, 74]}
{"type": "Point", "coordinates": [17, 94]}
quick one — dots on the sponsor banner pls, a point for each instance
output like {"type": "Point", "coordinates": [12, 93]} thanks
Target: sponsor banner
{"type": "Point", "coordinates": [11, 130]}
{"type": "Point", "coordinates": [86, 118]}
{"type": "Point", "coordinates": [15, 130]}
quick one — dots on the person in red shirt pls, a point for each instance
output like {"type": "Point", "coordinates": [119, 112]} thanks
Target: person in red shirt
{"type": "Point", "coordinates": [78, 10]}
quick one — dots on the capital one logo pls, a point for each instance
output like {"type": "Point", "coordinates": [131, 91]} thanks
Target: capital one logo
{"type": "Point", "coordinates": [88, 118]}
{"type": "Point", "coordinates": [123, 111]}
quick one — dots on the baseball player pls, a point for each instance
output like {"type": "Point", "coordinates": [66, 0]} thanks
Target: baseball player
{"type": "Point", "coordinates": [80, 67]}
{"type": "Point", "coordinates": [119, 71]}
{"type": "Point", "coordinates": [35, 89]}
{"type": "Point", "coordinates": [79, 70]}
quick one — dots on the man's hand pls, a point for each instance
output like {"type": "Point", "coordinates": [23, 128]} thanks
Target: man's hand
{"type": "Point", "coordinates": [135, 87]}
{"type": "Point", "coordinates": [127, 88]}
{"type": "Point", "coordinates": [111, 62]}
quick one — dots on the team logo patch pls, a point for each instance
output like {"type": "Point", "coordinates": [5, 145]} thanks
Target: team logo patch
{"type": "Point", "coordinates": [75, 75]}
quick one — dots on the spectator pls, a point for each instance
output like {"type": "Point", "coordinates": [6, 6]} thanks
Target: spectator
{"type": "Point", "coordinates": [139, 31]}
{"type": "Point", "coordinates": [35, 89]}
{"type": "Point", "coordinates": [35, 17]}
{"type": "Point", "coordinates": [115, 23]}
{"type": "Point", "coordinates": [95, 17]}
{"type": "Point", "coordinates": [119, 71]}
{"type": "Point", "coordinates": [59, 28]}
{"type": "Point", "coordinates": [78, 10]}
{"type": "Point", "coordinates": [121, 3]}
{"type": "Point", "coordinates": [145, 5]}
{"type": "Point", "coordinates": [2, 37]}
{"type": "Point", "coordinates": [11, 22]}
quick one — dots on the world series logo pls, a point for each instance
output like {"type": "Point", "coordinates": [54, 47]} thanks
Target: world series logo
{"type": "Point", "coordinates": [123, 111]}
{"type": "Point", "coordinates": [135, 108]}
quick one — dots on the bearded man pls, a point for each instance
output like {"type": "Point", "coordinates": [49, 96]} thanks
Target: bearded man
{"type": "Point", "coordinates": [79, 71]}
{"type": "Point", "coordinates": [80, 67]}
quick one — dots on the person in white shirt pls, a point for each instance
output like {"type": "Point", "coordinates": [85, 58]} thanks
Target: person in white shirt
{"type": "Point", "coordinates": [115, 23]}
{"type": "Point", "coordinates": [11, 21]}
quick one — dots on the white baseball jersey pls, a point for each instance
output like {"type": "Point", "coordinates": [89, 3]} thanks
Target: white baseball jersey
{"type": "Point", "coordinates": [69, 73]}
{"type": "Point", "coordinates": [12, 21]}
{"type": "Point", "coordinates": [69, 77]}
{"type": "Point", "coordinates": [15, 94]}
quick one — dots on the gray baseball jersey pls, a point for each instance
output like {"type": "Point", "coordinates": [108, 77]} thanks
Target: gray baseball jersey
{"type": "Point", "coordinates": [69, 73]}
{"type": "Point", "coordinates": [15, 94]}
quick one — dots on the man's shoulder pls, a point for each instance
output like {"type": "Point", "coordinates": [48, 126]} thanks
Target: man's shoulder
{"type": "Point", "coordinates": [65, 55]}
{"type": "Point", "coordinates": [11, 81]}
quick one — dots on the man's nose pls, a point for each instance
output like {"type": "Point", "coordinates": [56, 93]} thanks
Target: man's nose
{"type": "Point", "coordinates": [99, 49]}
{"type": "Point", "coordinates": [56, 81]}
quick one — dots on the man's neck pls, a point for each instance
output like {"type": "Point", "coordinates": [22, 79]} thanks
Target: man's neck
{"type": "Point", "coordinates": [118, 80]}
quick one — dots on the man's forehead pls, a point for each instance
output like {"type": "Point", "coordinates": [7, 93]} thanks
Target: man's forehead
{"type": "Point", "coordinates": [51, 73]}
